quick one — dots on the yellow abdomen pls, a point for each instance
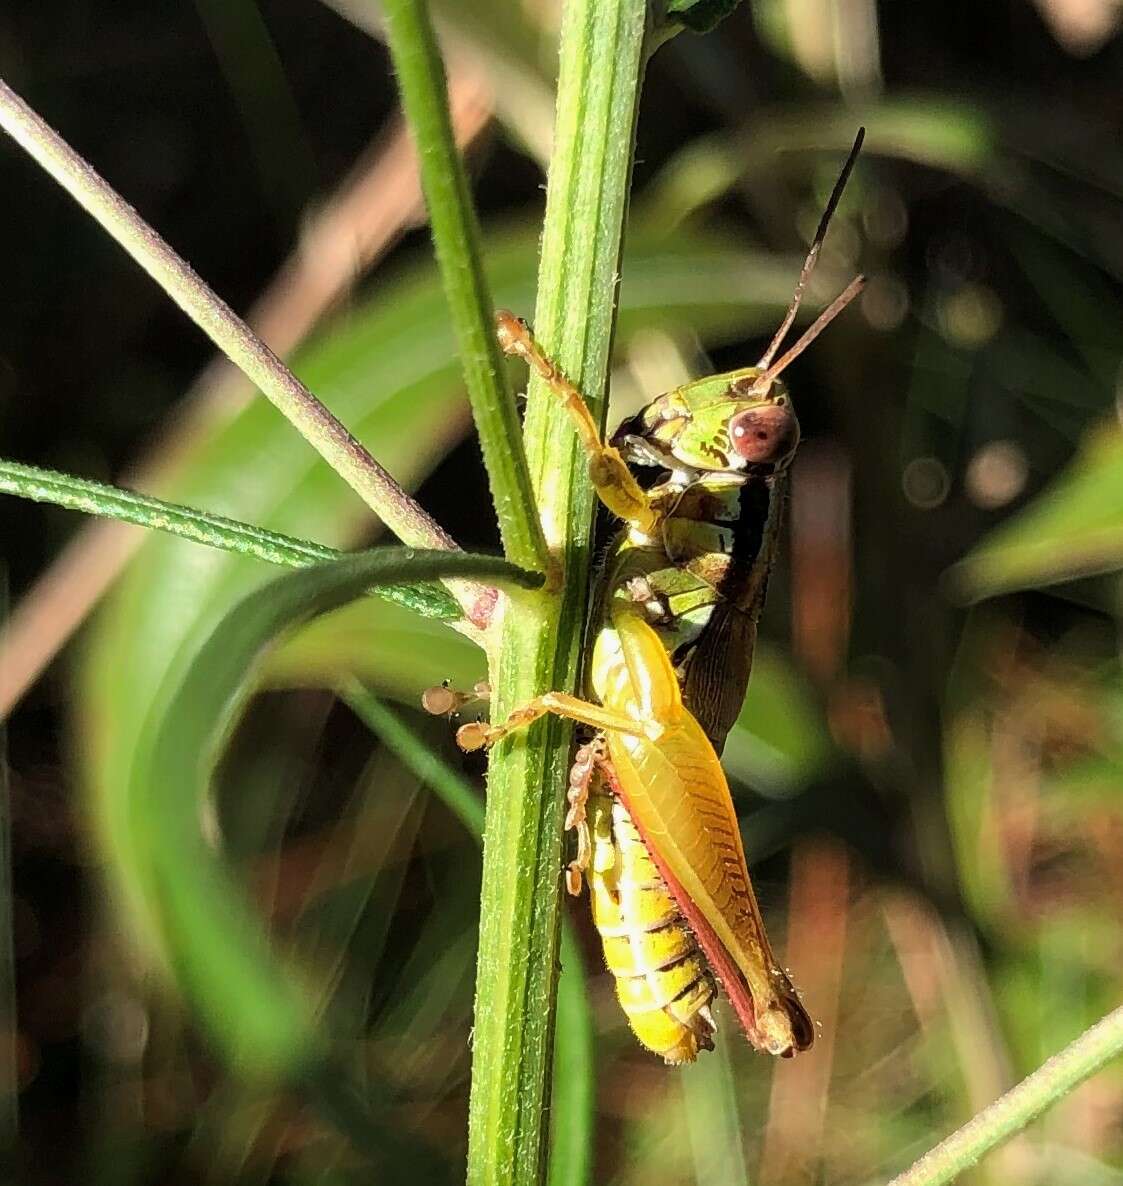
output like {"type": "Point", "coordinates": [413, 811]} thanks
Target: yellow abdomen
{"type": "Point", "coordinates": [662, 980]}
{"type": "Point", "coordinates": [678, 800]}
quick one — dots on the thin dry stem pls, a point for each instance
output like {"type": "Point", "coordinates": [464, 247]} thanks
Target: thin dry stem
{"type": "Point", "coordinates": [379, 199]}
{"type": "Point", "coordinates": [817, 924]}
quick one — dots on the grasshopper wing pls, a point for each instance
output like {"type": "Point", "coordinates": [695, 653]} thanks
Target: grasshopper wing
{"type": "Point", "coordinates": [676, 793]}
{"type": "Point", "coordinates": [717, 671]}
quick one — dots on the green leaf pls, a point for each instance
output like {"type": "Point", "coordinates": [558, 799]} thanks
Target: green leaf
{"type": "Point", "coordinates": [780, 741]}
{"type": "Point", "coordinates": [1073, 529]}
{"type": "Point", "coordinates": [699, 15]}
{"type": "Point", "coordinates": [573, 1096]}
{"type": "Point", "coordinates": [457, 794]}
{"type": "Point", "coordinates": [201, 527]}
{"type": "Point", "coordinates": [186, 898]}
{"type": "Point", "coordinates": [455, 232]}
{"type": "Point", "coordinates": [413, 653]}
{"type": "Point", "coordinates": [714, 1117]}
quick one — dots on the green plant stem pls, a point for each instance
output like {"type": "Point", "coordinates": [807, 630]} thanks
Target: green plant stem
{"type": "Point", "coordinates": [456, 237]}
{"type": "Point", "coordinates": [1013, 1111]}
{"type": "Point", "coordinates": [346, 455]}
{"type": "Point", "coordinates": [573, 1100]}
{"type": "Point", "coordinates": [713, 1115]}
{"type": "Point", "coordinates": [201, 527]}
{"type": "Point", "coordinates": [602, 59]}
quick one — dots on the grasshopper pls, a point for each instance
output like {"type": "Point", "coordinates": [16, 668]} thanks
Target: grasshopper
{"type": "Point", "coordinates": [674, 619]}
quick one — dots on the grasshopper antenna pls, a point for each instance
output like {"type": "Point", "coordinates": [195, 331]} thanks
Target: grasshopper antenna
{"type": "Point", "coordinates": [812, 258]}
{"type": "Point", "coordinates": [761, 382]}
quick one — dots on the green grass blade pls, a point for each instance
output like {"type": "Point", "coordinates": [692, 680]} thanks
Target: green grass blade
{"type": "Point", "coordinates": [413, 653]}
{"type": "Point", "coordinates": [1073, 529]}
{"type": "Point", "coordinates": [573, 1100]}
{"type": "Point", "coordinates": [186, 899]}
{"type": "Point", "coordinates": [454, 791]}
{"type": "Point", "coordinates": [276, 135]}
{"type": "Point", "coordinates": [717, 1139]}
{"type": "Point", "coordinates": [456, 237]}
{"type": "Point", "coordinates": [201, 527]}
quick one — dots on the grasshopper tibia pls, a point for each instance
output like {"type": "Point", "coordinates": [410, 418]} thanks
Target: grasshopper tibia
{"type": "Point", "coordinates": [586, 762]}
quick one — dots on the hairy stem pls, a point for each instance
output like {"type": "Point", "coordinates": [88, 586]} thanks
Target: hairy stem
{"type": "Point", "coordinates": [602, 59]}
{"type": "Point", "coordinates": [1012, 1112]}
{"type": "Point", "coordinates": [456, 237]}
{"type": "Point", "coordinates": [347, 456]}
{"type": "Point", "coordinates": [201, 527]}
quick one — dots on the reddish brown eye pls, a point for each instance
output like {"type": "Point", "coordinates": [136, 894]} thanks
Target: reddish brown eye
{"type": "Point", "coordinates": [764, 434]}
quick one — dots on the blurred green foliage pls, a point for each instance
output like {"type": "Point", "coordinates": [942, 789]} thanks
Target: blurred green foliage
{"type": "Point", "coordinates": [941, 782]}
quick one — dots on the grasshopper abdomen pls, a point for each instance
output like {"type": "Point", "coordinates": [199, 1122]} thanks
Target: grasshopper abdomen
{"type": "Point", "coordinates": [663, 982]}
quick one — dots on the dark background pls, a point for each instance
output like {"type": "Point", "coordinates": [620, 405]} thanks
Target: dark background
{"type": "Point", "coordinates": [1005, 274]}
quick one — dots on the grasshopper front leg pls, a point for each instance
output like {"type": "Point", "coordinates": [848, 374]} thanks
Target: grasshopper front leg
{"type": "Point", "coordinates": [586, 762]}
{"type": "Point", "coordinates": [615, 485]}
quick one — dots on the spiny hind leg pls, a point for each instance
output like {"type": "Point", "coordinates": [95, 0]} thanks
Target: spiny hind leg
{"type": "Point", "coordinates": [590, 759]}
{"type": "Point", "coordinates": [577, 796]}
{"type": "Point", "coordinates": [615, 484]}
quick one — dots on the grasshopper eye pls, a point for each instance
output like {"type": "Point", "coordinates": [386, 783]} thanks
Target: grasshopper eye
{"type": "Point", "coordinates": [764, 434]}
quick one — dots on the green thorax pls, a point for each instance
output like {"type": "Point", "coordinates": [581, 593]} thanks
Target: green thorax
{"type": "Point", "coordinates": [701, 579]}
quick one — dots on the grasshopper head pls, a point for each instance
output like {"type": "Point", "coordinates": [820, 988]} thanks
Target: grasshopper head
{"type": "Point", "coordinates": [728, 424]}
{"type": "Point", "coordinates": [742, 422]}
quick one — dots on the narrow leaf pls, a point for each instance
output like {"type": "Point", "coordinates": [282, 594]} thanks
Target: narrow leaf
{"type": "Point", "coordinates": [456, 237]}
{"type": "Point", "coordinates": [1073, 529]}
{"type": "Point", "coordinates": [185, 896]}
{"type": "Point", "coordinates": [201, 527]}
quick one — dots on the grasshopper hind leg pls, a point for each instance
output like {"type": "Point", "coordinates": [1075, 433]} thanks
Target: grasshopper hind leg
{"type": "Point", "coordinates": [589, 758]}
